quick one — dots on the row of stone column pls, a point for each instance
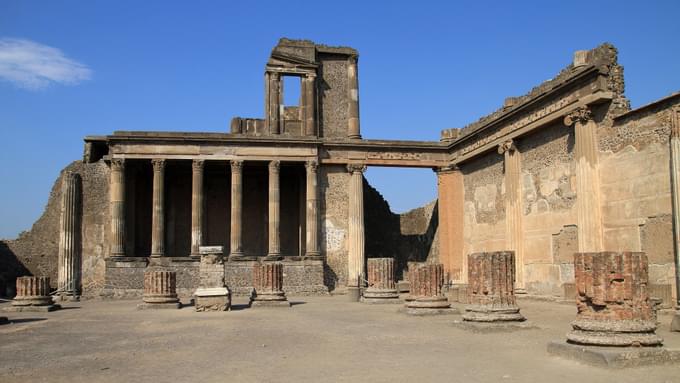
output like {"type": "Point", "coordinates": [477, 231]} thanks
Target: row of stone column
{"type": "Point", "coordinates": [117, 198]}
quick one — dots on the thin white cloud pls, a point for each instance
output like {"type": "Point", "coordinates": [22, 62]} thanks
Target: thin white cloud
{"type": "Point", "coordinates": [30, 65]}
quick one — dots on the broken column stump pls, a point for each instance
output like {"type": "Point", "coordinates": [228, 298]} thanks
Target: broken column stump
{"type": "Point", "coordinates": [410, 267]}
{"type": "Point", "coordinates": [160, 290]}
{"type": "Point", "coordinates": [268, 285]}
{"type": "Point", "coordinates": [33, 294]}
{"type": "Point", "coordinates": [212, 293]}
{"type": "Point", "coordinates": [427, 280]}
{"type": "Point", "coordinates": [612, 300]}
{"type": "Point", "coordinates": [614, 324]}
{"type": "Point", "coordinates": [381, 285]}
{"type": "Point", "coordinates": [491, 295]}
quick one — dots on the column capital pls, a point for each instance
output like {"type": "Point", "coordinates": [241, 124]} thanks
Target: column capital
{"type": "Point", "coordinates": [507, 146]}
{"type": "Point", "coordinates": [312, 166]}
{"type": "Point", "coordinates": [675, 122]}
{"type": "Point", "coordinates": [117, 164]}
{"type": "Point", "coordinates": [274, 166]}
{"type": "Point", "coordinates": [274, 75]}
{"type": "Point", "coordinates": [582, 115]}
{"type": "Point", "coordinates": [197, 165]}
{"type": "Point", "coordinates": [354, 168]}
{"type": "Point", "coordinates": [236, 166]}
{"type": "Point", "coordinates": [446, 169]}
{"type": "Point", "coordinates": [310, 76]}
{"type": "Point", "coordinates": [158, 164]}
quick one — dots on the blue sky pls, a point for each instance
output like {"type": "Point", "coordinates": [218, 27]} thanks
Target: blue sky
{"type": "Point", "coordinates": [92, 67]}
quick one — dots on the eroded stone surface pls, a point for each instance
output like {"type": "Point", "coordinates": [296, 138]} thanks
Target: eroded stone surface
{"type": "Point", "coordinates": [381, 285]}
{"type": "Point", "coordinates": [427, 280]}
{"type": "Point", "coordinates": [268, 285]}
{"type": "Point", "coordinates": [160, 288]}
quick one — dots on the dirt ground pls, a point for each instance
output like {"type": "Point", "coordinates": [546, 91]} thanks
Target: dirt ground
{"type": "Point", "coordinates": [319, 339]}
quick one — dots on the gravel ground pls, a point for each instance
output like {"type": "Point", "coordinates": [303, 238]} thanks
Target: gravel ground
{"type": "Point", "coordinates": [319, 339]}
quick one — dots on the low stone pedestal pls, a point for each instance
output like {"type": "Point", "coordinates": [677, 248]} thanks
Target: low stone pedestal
{"type": "Point", "coordinates": [212, 294]}
{"type": "Point", "coordinates": [612, 301]}
{"type": "Point", "coordinates": [381, 286]}
{"type": "Point", "coordinates": [426, 288]}
{"type": "Point", "coordinates": [268, 286]}
{"type": "Point", "coordinates": [33, 295]}
{"type": "Point", "coordinates": [160, 290]}
{"type": "Point", "coordinates": [491, 297]}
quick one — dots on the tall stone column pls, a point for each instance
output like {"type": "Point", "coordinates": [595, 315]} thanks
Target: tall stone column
{"type": "Point", "coordinates": [158, 213]}
{"type": "Point", "coordinates": [236, 238]}
{"type": "Point", "coordinates": [312, 212]}
{"type": "Point", "coordinates": [675, 192]}
{"type": "Point", "coordinates": [196, 206]}
{"type": "Point", "coordinates": [355, 257]}
{"type": "Point", "coordinates": [274, 102]}
{"type": "Point", "coordinates": [267, 85]}
{"type": "Point", "coordinates": [274, 252]}
{"type": "Point", "coordinates": [514, 231]}
{"type": "Point", "coordinates": [310, 104]}
{"type": "Point", "coordinates": [491, 293]}
{"type": "Point", "coordinates": [353, 129]}
{"type": "Point", "coordinates": [612, 300]}
{"type": "Point", "coordinates": [450, 205]}
{"type": "Point", "coordinates": [68, 281]}
{"type": "Point", "coordinates": [117, 201]}
{"type": "Point", "coordinates": [587, 180]}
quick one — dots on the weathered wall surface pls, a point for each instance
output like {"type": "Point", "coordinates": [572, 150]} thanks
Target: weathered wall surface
{"type": "Point", "coordinates": [636, 193]}
{"type": "Point", "coordinates": [333, 96]}
{"type": "Point", "coordinates": [484, 210]}
{"type": "Point", "coordinates": [548, 200]}
{"type": "Point", "coordinates": [333, 211]}
{"type": "Point", "coordinates": [36, 251]}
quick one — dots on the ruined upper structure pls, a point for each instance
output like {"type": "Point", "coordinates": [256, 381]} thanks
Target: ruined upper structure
{"type": "Point", "coordinates": [329, 93]}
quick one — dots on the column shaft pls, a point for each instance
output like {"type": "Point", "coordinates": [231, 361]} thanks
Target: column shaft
{"type": "Point", "coordinates": [450, 207]}
{"type": "Point", "coordinates": [514, 230]}
{"type": "Point", "coordinates": [310, 105]}
{"type": "Point", "coordinates": [312, 212]}
{"type": "Point", "coordinates": [587, 181]}
{"type": "Point", "coordinates": [117, 201]}
{"type": "Point", "coordinates": [274, 94]}
{"type": "Point", "coordinates": [196, 206]}
{"type": "Point", "coordinates": [236, 240]}
{"type": "Point", "coordinates": [68, 280]}
{"type": "Point", "coordinates": [675, 193]}
{"type": "Point", "coordinates": [158, 213]}
{"type": "Point", "coordinates": [274, 210]}
{"type": "Point", "coordinates": [353, 129]}
{"type": "Point", "coordinates": [356, 272]}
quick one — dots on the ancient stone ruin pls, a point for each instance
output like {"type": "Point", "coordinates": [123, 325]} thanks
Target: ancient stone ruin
{"type": "Point", "coordinates": [212, 294]}
{"type": "Point", "coordinates": [268, 285]}
{"type": "Point", "coordinates": [160, 290]}
{"type": "Point", "coordinates": [612, 300]}
{"type": "Point", "coordinates": [426, 290]}
{"type": "Point", "coordinates": [566, 168]}
{"type": "Point", "coordinates": [491, 288]}
{"type": "Point", "coordinates": [33, 294]}
{"type": "Point", "coordinates": [381, 285]}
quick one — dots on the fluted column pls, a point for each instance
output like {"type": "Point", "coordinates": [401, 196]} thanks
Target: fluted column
{"type": "Point", "coordinates": [196, 206]}
{"type": "Point", "coordinates": [274, 211]}
{"type": "Point", "coordinates": [312, 212]}
{"type": "Point", "coordinates": [356, 272]}
{"type": "Point", "coordinates": [274, 90]}
{"type": "Point", "coordinates": [310, 104]}
{"type": "Point", "coordinates": [587, 180]}
{"type": "Point", "coordinates": [353, 129]}
{"type": "Point", "coordinates": [514, 231]}
{"type": "Point", "coordinates": [117, 202]}
{"type": "Point", "coordinates": [381, 285]}
{"type": "Point", "coordinates": [236, 239]}
{"type": "Point", "coordinates": [32, 291]}
{"type": "Point", "coordinates": [675, 193]}
{"type": "Point", "coordinates": [158, 213]}
{"type": "Point", "coordinates": [268, 285]}
{"type": "Point", "coordinates": [426, 290]}
{"type": "Point", "coordinates": [68, 281]}
{"type": "Point", "coordinates": [160, 290]}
